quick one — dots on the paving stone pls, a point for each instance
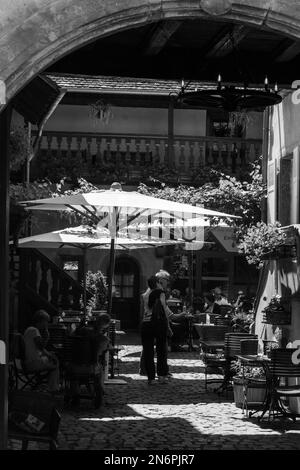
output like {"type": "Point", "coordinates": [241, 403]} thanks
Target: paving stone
{"type": "Point", "coordinates": [179, 415]}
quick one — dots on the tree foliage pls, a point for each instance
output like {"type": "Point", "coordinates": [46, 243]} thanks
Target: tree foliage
{"type": "Point", "coordinates": [17, 147]}
{"type": "Point", "coordinates": [222, 193]}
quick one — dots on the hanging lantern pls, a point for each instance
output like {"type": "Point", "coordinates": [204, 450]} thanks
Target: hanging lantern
{"type": "Point", "coordinates": [100, 111]}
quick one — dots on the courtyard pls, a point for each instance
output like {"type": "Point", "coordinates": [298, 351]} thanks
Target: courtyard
{"type": "Point", "coordinates": [179, 415]}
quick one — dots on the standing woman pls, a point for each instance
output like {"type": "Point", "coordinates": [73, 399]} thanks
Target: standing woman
{"type": "Point", "coordinates": [155, 329]}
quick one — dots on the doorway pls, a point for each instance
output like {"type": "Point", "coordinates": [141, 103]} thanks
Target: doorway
{"type": "Point", "coordinates": [126, 292]}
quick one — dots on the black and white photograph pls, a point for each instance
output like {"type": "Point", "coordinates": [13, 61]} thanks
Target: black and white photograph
{"type": "Point", "coordinates": [150, 229]}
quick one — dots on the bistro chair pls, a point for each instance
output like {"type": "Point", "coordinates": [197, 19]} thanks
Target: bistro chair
{"type": "Point", "coordinates": [33, 417]}
{"type": "Point", "coordinates": [211, 339]}
{"type": "Point", "coordinates": [249, 347]}
{"type": "Point", "coordinates": [282, 367]}
{"type": "Point", "coordinates": [232, 349]}
{"type": "Point", "coordinates": [22, 378]}
{"type": "Point", "coordinates": [83, 370]}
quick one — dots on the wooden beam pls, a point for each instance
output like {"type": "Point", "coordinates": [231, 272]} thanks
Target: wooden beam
{"type": "Point", "coordinates": [289, 53]}
{"type": "Point", "coordinates": [160, 36]}
{"type": "Point", "coordinates": [223, 45]}
{"type": "Point", "coordinates": [5, 118]}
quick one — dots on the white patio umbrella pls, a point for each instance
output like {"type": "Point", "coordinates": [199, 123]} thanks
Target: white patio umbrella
{"type": "Point", "coordinates": [117, 209]}
{"type": "Point", "coordinates": [86, 238]}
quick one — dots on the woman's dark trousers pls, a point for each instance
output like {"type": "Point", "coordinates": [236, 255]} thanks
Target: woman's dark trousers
{"type": "Point", "coordinates": [151, 334]}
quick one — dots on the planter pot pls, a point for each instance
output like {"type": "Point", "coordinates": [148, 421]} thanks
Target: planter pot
{"type": "Point", "coordinates": [255, 393]}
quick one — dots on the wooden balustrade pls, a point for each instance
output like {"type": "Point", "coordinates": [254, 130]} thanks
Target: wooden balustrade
{"type": "Point", "coordinates": [52, 287]}
{"type": "Point", "coordinates": [133, 154]}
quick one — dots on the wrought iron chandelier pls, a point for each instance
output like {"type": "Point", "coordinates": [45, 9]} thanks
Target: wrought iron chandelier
{"type": "Point", "coordinates": [230, 98]}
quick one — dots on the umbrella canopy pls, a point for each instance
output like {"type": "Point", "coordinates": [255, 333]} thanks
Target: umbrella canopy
{"type": "Point", "coordinates": [117, 209]}
{"type": "Point", "coordinates": [85, 237]}
{"type": "Point", "coordinates": [88, 237]}
{"type": "Point", "coordinates": [105, 200]}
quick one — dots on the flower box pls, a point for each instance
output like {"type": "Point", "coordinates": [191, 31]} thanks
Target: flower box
{"type": "Point", "coordinates": [255, 392]}
{"type": "Point", "coordinates": [277, 317]}
{"type": "Point", "coordinates": [278, 311]}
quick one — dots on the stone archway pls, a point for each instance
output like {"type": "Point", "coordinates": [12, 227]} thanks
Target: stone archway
{"type": "Point", "coordinates": [36, 34]}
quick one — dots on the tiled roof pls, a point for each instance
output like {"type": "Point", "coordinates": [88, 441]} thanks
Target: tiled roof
{"type": "Point", "coordinates": [145, 86]}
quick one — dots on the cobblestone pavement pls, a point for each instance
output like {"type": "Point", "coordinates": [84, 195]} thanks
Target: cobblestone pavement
{"type": "Point", "coordinates": [177, 415]}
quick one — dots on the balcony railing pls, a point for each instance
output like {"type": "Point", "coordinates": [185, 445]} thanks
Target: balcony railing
{"type": "Point", "coordinates": [135, 154]}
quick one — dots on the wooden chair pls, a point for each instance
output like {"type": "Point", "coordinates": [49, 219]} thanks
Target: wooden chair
{"type": "Point", "coordinates": [282, 367]}
{"type": "Point", "coordinates": [23, 404]}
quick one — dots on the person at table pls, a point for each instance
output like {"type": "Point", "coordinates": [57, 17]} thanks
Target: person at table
{"type": "Point", "coordinates": [155, 329]}
{"type": "Point", "coordinates": [209, 300]}
{"type": "Point", "coordinates": [179, 321]}
{"type": "Point", "coordinates": [88, 357]}
{"type": "Point", "coordinates": [220, 301]}
{"type": "Point", "coordinates": [37, 357]}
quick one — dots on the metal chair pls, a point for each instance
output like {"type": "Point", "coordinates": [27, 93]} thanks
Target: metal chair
{"type": "Point", "coordinates": [25, 406]}
{"type": "Point", "coordinates": [231, 350]}
{"type": "Point", "coordinates": [211, 339]}
{"type": "Point", "coordinates": [282, 367]}
{"type": "Point", "coordinates": [21, 378]}
{"type": "Point", "coordinates": [83, 369]}
{"type": "Point", "coordinates": [250, 347]}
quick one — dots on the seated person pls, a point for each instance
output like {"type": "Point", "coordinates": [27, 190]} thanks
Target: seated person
{"type": "Point", "coordinates": [220, 302]}
{"type": "Point", "coordinates": [37, 358]}
{"type": "Point", "coordinates": [178, 322]}
{"type": "Point", "coordinates": [90, 344]}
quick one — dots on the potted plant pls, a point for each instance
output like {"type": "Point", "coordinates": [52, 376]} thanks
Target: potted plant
{"type": "Point", "coordinates": [242, 321]}
{"type": "Point", "coordinates": [96, 284]}
{"type": "Point", "coordinates": [255, 379]}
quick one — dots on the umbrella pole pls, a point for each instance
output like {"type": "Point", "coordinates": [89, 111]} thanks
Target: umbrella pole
{"type": "Point", "coordinates": [111, 275]}
{"type": "Point", "coordinates": [191, 279]}
{"type": "Point", "coordinates": [84, 283]}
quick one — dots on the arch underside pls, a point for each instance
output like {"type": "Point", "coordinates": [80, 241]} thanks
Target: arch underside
{"type": "Point", "coordinates": [37, 34]}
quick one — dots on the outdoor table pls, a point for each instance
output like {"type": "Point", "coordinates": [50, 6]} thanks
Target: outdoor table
{"type": "Point", "coordinates": [252, 360]}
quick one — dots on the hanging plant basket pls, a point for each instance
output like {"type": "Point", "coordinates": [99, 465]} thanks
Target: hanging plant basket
{"type": "Point", "coordinates": [278, 312]}
{"type": "Point", "coordinates": [281, 252]}
{"type": "Point", "coordinates": [274, 317]}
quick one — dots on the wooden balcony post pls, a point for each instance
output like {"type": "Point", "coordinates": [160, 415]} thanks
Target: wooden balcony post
{"type": "Point", "coordinates": [5, 118]}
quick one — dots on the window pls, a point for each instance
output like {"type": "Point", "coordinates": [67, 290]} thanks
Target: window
{"type": "Point", "coordinates": [72, 265]}
{"type": "Point", "coordinates": [220, 129]}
